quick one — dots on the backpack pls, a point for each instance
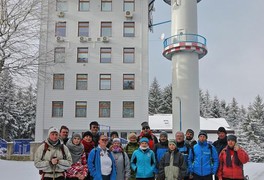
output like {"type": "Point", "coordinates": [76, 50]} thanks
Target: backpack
{"type": "Point", "coordinates": [46, 147]}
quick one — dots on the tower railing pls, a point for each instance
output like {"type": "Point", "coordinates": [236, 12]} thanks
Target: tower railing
{"type": "Point", "coordinates": [193, 38]}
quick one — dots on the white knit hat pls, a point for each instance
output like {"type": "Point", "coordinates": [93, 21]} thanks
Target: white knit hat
{"type": "Point", "coordinates": [53, 129]}
{"type": "Point", "coordinates": [116, 140]}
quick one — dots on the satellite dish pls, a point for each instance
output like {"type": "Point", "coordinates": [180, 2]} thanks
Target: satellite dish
{"type": "Point", "coordinates": [162, 36]}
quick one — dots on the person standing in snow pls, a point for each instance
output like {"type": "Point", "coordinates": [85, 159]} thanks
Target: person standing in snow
{"type": "Point", "coordinates": [146, 132]}
{"type": "Point", "coordinates": [231, 160]}
{"type": "Point", "coordinates": [52, 158]}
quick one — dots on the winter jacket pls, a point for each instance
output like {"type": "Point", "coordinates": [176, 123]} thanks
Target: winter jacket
{"type": "Point", "coordinates": [143, 163]}
{"type": "Point", "coordinates": [204, 161]}
{"type": "Point", "coordinates": [172, 168]}
{"type": "Point", "coordinates": [94, 164]}
{"type": "Point", "coordinates": [122, 168]}
{"type": "Point", "coordinates": [190, 143]}
{"type": "Point", "coordinates": [160, 149]}
{"type": "Point", "coordinates": [130, 148]}
{"type": "Point", "coordinates": [234, 172]}
{"type": "Point", "coordinates": [220, 144]}
{"type": "Point", "coordinates": [184, 150]}
{"type": "Point", "coordinates": [44, 163]}
{"type": "Point", "coordinates": [79, 167]}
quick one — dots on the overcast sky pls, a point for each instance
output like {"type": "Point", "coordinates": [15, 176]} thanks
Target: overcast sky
{"type": "Point", "coordinates": [234, 65]}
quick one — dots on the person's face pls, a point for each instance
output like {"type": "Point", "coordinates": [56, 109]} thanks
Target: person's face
{"type": "Point", "coordinates": [94, 129]}
{"type": "Point", "coordinates": [144, 144]}
{"type": "Point", "coordinates": [221, 135]}
{"type": "Point", "coordinates": [163, 138]}
{"type": "Point", "coordinates": [64, 133]}
{"type": "Point", "coordinates": [133, 139]}
{"type": "Point", "coordinates": [114, 136]}
{"type": "Point", "coordinates": [189, 136]}
{"type": "Point", "coordinates": [88, 138]}
{"type": "Point", "coordinates": [179, 137]}
{"type": "Point", "coordinates": [145, 130]}
{"type": "Point", "coordinates": [231, 144]}
{"type": "Point", "coordinates": [103, 141]}
{"type": "Point", "coordinates": [76, 140]}
{"type": "Point", "coordinates": [202, 138]}
{"type": "Point", "coordinates": [54, 136]}
{"type": "Point", "coordinates": [116, 144]}
{"type": "Point", "coordinates": [172, 147]}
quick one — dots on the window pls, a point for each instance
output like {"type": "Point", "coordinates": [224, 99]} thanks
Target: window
{"type": "Point", "coordinates": [128, 55]}
{"type": "Point", "coordinates": [81, 81]}
{"type": "Point", "coordinates": [82, 55]}
{"type": "Point", "coordinates": [60, 29]}
{"type": "Point", "coordinates": [61, 5]}
{"type": "Point", "coordinates": [84, 5]}
{"type": "Point", "coordinates": [128, 81]}
{"type": "Point", "coordinates": [58, 81]}
{"type": "Point", "coordinates": [106, 5]}
{"type": "Point", "coordinates": [83, 29]}
{"type": "Point", "coordinates": [105, 55]}
{"type": "Point", "coordinates": [128, 109]}
{"type": "Point", "coordinates": [80, 108]}
{"type": "Point", "coordinates": [106, 28]}
{"type": "Point", "coordinates": [129, 5]}
{"type": "Point", "coordinates": [57, 108]}
{"type": "Point", "coordinates": [105, 81]}
{"type": "Point", "coordinates": [104, 108]}
{"type": "Point", "coordinates": [129, 29]}
{"type": "Point", "coordinates": [59, 55]}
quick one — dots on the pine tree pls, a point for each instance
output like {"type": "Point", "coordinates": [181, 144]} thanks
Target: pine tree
{"type": "Point", "coordinates": [205, 105]}
{"type": "Point", "coordinates": [155, 98]}
{"type": "Point", "coordinates": [223, 109]}
{"type": "Point", "coordinates": [8, 110]}
{"type": "Point", "coordinates": [215, 111]}
{"type": "Point", "coordinates": [233, 114]}
{"type": "Point", "coordinates": [167, 100]}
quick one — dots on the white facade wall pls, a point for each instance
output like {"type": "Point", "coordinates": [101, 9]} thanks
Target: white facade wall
{"type": "Point", "coordinates": [69, 95]}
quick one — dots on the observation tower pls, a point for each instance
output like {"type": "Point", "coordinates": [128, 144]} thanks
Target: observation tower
{"type": "Point", "coordinates": [184, 48]}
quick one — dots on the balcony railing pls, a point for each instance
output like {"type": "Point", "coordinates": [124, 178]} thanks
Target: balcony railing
{"type": "Point", "coordinates": [195, 38]}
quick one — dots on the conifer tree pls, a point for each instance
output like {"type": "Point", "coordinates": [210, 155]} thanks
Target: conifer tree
{"type": "Point", "coordinates": [155, 98]}
{"type": "Point", "coordinates": [167, 100]}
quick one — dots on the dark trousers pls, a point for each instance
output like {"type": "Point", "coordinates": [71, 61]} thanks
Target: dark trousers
{"type": "Point", "coordinates": [58, 178]}
{"type": "Point", "coordinates": [197, 177]}
{"type": "Point", "coordinates": [231, 179]}
{"type": "Point", "coordinates": [145, 178]}
{"type": "Point", "coordinates": [216, 178]}
{"type": "Point", "coordinates": [106, 177]}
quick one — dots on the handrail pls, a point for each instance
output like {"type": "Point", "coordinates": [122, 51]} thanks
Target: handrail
{"type": "Point", "coordinates": [184, 38]}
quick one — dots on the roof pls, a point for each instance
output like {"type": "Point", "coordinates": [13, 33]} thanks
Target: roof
{"type": "Point", "coordinates": [164, 122]}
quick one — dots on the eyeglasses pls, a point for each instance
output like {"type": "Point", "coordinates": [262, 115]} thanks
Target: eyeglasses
{"type": "Point", "coordinates": [105, 140]}
{"type": "Point", "coordinates": [144, 128]}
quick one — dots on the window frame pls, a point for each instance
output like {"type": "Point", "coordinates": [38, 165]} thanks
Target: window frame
{"type": "Point", "coordinates": [127, 78]}
{"type": "Point", "coordinates": [61, 2]}
{"type": "Point", "coordinates": [60, 28]}
{"type": "Point", "coordinates": [127, 27]}
{"type": "Point", "coordinates": [58, 81]}
{"type": "Point", "coordinates": [84, 2]}
{"type": "Point", "coordinates": [57, 111]}
{"type": "Point", "coordinates": [106, 5]}
{"type": "Point", "coordinates": [132, 109]}
{"type": "Point", "coordinates": [127, 2]}
{"type": "Point", "coordinates": [81, 82]}
{"type": "Point", "coordinates": [82, 51]}
{"type": "Point", "coordinates": [106, 28]}
{"type": "Point", "coordinates": [127, 52]}
{"type": "Point", "coordinates": [105, 78]}
{"type": "Point", "coordinates": [104, 106]}
{"type": "Point", "coordinates": [104, 51]}
{"type": "Point", "coordinates": [82, 106]}
{"type": "Point", "coordinates": [59, 55]}
{"type": "Point", "coordinates": [84, 25]}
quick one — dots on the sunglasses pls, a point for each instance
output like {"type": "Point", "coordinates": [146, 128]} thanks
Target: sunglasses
{"type": "Point", "coordinates": [144, 128]}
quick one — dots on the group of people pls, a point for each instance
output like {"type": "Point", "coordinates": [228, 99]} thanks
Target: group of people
{"type": "Point", "coordinates": [95, 157]}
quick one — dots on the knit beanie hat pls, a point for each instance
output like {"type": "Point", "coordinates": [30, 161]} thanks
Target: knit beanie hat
{"type": "Point", "coordinates": [202, 133]}
{"type": "Point", "coordinates": [144, 139]}
{"type": "Point", "coordinates": [145, 124]}
{"type": "Point", "coordinates": [221, 129]}
{"type": "Point", "coordinates": [164, 133]}
{"type": "Point", "coordinates": [231, 137]}
{"type": "Point", "coordinates": [190, 131]}
{"type": "Point", "coordinates": [76, 135]}
{"type": "Point", "coordinates": [132, 135]}
{"type": "Point", "coordinates": [53, 129]}
{"type": "Point", "coordinates": [172, 141]}
{"type": "Point", "coordinates": [116, 140]}
{"type": "Point", "coordinates": [114, 132]}
{"type": "Point", "coordinates": [87, 133]}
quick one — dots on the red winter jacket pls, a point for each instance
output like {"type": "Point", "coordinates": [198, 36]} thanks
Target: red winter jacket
{"type": "Point", "coordinates": [234, 172]}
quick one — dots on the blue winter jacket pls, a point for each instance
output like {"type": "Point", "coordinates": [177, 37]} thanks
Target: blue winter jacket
{"type": "Point", "coordinates": [202, 162]}
{"type": "Point", "coordinates": [143, 163]}
{"type": "Point", "coordinates": [94, 164]}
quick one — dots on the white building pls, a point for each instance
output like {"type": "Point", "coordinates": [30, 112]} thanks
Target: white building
{"type": "Point", "coordinates": [97, 56]}
{"type": "Point", "coordinates": [163, 122]}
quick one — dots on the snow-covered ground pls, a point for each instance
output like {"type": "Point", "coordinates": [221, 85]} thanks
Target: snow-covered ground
{"type": "Point", "coordinates": [25, 170]}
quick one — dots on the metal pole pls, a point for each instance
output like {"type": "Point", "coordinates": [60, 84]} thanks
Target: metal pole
{"type": "Point", "coordinates": [180, 112]}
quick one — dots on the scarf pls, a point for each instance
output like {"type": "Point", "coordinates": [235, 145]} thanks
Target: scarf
{"type": "Point", "coordinates": [54, 143]}
{"type": "Point", "coordinates": [75, 150]}
{"type": "Point", "coordinates": [88, 146]}
{"type": "Point", "coordinates": [228, 157]}
{"type": "Point", "coordinates": [180, 144]}
{"type": "Point", "coordinates": [143, 148]}
{"type": "Point", "coordinates": [116, 149]}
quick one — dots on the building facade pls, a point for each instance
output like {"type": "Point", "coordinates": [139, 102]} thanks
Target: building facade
{"type": "Point", "coordinates": [94, 56]}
